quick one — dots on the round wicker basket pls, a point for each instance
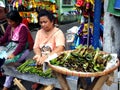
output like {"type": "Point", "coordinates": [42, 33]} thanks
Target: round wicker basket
{"type": "Point", "coordinates": [66, 71]}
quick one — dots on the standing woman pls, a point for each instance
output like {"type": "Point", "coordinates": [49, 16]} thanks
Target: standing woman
{"type": "Point", "coordinates": [16, 41]}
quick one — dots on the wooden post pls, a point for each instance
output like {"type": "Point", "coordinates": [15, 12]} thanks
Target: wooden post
{"type": "Point", "coordinates": [62, 80]}
{"type": "Point", "coordinates": [17, 82]}
{"type": "Point", "coordinates": [100, 82]}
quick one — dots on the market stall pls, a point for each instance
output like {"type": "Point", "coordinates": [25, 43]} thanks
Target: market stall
{"type": "Point", "coordinates": [29, 9]}
{"type": "Point", "coordinates": [77, 65]}
{"type": "Point", "coordinates": [100, 77]}
{"type": "Point", "coordinates": [64, 10]}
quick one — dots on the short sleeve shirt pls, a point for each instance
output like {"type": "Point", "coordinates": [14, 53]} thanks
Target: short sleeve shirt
{"type": "Point", "coordinates": [55, 39]}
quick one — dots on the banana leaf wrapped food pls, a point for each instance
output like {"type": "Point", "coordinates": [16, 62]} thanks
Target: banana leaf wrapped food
{"type": "Point", "coordinates": [29, 66]}
{"type": "Point", "coordinates": [83, 59]}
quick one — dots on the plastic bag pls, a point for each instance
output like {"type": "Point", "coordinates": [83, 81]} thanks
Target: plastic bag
{"type": "Point", "coordinates": [7, 50]}
{"type": "Point", "coordinates": [76, 42]}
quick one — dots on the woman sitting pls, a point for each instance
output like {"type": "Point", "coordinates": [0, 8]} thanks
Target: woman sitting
{"type": "Point", "coordinates": [49, 40]}
{"type": "Point", "coordinates": [14, 43]}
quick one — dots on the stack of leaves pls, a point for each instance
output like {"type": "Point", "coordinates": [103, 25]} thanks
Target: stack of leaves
{"type": "Point", "coordinates": [29, 66]}
{"type": "Point", "coordinates": [83, 58]}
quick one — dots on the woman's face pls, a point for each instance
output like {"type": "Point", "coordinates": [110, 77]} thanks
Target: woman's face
{"type": "Point", "coordinates": [11, 23]}
{"type": "Point", "coordinates": [45, 23]}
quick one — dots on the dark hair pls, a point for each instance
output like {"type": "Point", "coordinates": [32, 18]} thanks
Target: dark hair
{"type": "Point", "coordinates": [14, 16]}
{"type": "Point", "coordinates": [47, 13]}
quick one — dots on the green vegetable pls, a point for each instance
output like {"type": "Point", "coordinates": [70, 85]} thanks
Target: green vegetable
{"type": "Point", "coordinates": [83, 58]}
{"type": "Point", "coordinates": [27, 68]}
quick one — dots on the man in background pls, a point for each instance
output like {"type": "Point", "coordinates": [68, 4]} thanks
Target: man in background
{"type": "Point", "coordinates": [3, 25]}
{"type": "Point", "coordinates": [3, 21]}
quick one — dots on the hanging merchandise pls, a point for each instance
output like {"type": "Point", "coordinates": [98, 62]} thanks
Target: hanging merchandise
{"type": "Point", "coordinates": [82, 35]}
{"type": "Point", "coordinates": [29, 8]}
{"type": "Point", "coordinates": [82, 3]}
{"type": "Point", "coordinates": [90, 15]}
{"type": "Point", "coordinates": [88, 10]}
{"type": "Point", "coordinates": [86, 31]}
{"type": "Point", "coordinates": [16, 4]}
{"type": "Point", "coordinates": [20, 2]}
{"type": "Point", "coordinates": [79, 3]}
{"type": "Point", "coordinates": [31, 5]}
{"type": "Point", "coordinates": [85, 4]}
{"type": "Point", "coordinates": [53, 8]}
{"type": "Point", "coordinates": [34, 16]}
{"type": "Point", "coordinates": [86, 7]}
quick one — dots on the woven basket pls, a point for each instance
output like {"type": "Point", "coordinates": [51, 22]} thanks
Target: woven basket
{"type": "Point", "coordinates": [66, 71]}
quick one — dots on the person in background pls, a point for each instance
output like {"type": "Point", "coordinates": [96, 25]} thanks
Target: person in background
{"type": "Point", "coordinates": [3, 25]}
{"type": "Point", "coordinates": [49, 39]}
{"type": "Point", "coordinates": [16, 34]}
{"type": "Point", "coordinates": [3, 21]}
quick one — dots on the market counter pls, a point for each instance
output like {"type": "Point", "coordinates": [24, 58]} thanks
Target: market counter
{"type": "Point", "coordinates": [73, 81]}
{"type": "Point", "coordinates": [11, 71]}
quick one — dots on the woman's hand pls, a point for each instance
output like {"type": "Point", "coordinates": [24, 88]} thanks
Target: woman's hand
{"type": "Point", "coordinates": [39, 60]}
{"type": "Point", "coordinates": [36, 58]}
{"type": "Point", "coordinates": [42, 59]}
{"type": "Point", "coordinates": [11, 56]}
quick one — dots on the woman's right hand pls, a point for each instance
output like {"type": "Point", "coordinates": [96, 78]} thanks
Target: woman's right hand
{"type": "Point", "coordinates": [37, 58]}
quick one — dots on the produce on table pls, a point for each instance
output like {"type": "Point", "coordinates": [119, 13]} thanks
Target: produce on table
{"type": "Point", "coordinates": [31, 67]}
{"type": "Point", "coordinates": [83, 58]}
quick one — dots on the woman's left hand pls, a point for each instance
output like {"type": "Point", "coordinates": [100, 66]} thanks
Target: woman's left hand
{"type": "Point", "coordinates": [11, 56]}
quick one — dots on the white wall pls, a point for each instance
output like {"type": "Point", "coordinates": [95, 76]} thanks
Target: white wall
{"type": "Point", "coordinates": [111, 39]}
